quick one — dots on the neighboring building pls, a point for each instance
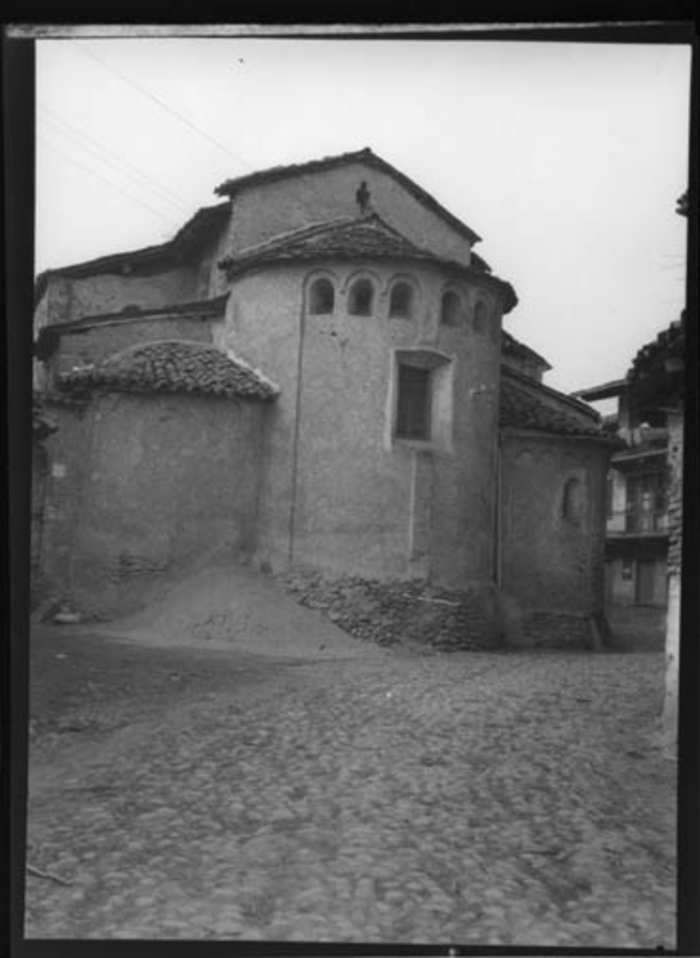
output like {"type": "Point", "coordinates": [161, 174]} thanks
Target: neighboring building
{"type": "Point", "coordinates": [313, 374]}
{"type": "Point", "coordinates": [637, 513]}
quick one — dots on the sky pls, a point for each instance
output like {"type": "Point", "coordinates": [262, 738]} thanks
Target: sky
{"type": "Point", "coordinates": [566, 158]}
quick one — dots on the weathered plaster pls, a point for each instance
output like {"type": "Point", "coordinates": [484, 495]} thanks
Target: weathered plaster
{"type": "Point", "coordinates": [551, 563]}
{"type": "Point", "coordinates": [73, 297]}
{"type": "Point", "coordinates": [80, 347]}
{"type": "Point", "coordinates": [272, 208]}
{"type": "Point", "coordinates": [336, 494]}
{"type": "Point", "coordinates": [163, 483]}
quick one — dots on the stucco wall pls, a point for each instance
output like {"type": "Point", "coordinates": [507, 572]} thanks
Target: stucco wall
{"type": "Point", "coordinates": [78, 347]}
{"type": "Point", "coordinates": [66, 465]}
{"type": "Point", "coordinates": [268, 209]}
{"type": "Point", "coordinates": [337, 489]}
{"type": "Point", "coordinates": [71, 297]}
{"type": "Point", "coordinates": [551, 563]}
{"type": "Point", "coordinates": [160, 484]}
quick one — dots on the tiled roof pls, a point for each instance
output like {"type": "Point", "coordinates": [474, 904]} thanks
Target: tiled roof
{"type": "Point", "coordinates": [366, 156]}
{"type": "Point", "coordinates": [656, 377]}
{"type": "Point", "coordinates": [365, 237]}
{"type": "Point", "coordinates": [173, 366]}
{"type": "Point", "coordinates": [670, 343]}
{"type": "Point", "coordinates": [520, 408]}
{"type": "Point", "coordinates": [197, 229]}
{"type": "Point", "coordinates": [513, 347]}
{"type": "Point", "coordinates": [349, 237]}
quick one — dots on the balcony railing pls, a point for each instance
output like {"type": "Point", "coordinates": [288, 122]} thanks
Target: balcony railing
{"type": "Point", "coordinates": [636, 520]}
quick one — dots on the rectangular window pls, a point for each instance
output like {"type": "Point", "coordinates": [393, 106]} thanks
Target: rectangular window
{"type": "Point", "coordinates": [413, 407]}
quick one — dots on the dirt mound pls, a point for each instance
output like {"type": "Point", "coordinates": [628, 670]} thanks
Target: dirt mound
{"type": "Point", "coordinates": [239, 609]}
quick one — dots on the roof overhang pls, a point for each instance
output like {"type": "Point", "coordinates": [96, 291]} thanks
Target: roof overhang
{"type": "Point", "coordinates": [615, 387]}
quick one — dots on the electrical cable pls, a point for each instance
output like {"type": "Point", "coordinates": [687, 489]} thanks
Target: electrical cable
{"type": "Point", "coordinates": [111, 158]}
{"type": "Point", "coordinates": [119, 189]}
{"type": "Point", "coordinates": [164, 106]}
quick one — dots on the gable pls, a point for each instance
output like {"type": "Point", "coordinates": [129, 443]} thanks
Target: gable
{"type": "Point", "coordinates": [277, 201]}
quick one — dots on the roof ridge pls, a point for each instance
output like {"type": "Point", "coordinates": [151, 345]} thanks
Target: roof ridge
{"type": "Point", "coordinates": [194, 345]}
{"type": "Point", "coordinates": [187, 365]}
{"type": "Point", "coordinates": [372, 220]}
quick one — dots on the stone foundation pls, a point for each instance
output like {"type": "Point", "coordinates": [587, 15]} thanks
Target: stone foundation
{"type": "Point", "coordinates": [560, 630]}
{"type": "Point", "coordinates": [397, 612]}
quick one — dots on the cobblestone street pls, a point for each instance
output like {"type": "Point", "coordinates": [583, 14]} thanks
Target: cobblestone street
{"type": "Point", "coordinates": [465, 798]}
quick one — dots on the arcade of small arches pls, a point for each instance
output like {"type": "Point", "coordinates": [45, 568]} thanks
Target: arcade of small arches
{"type": "Point", "coordinates": [403, 296]}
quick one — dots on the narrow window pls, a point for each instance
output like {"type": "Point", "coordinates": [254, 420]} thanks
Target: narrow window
{"type": "Point", "coordinates": [610, 488]}
{"type": "Point", "coordinates": [571, 500]}
{"type": "Point", "coordinates": [450, 309]}
{"type": "Point", "coordinates": [481, 314]}
{"type": "Point", "coordinates": [401, 301]}
{"type": "Point", "coordinates": [413, 409]}
{"type": "Point", "coordinates": [360, 298]}
{"type": "Point", "coordinates": [321, 297]}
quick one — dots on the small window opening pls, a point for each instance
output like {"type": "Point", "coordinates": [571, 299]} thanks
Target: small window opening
{"type": "Point", "coordinates": [451, 308]}
{"type": "Point", "coordinates": [413, 409]}
{"type": "Point", "coordinates": [321, 297]}
{"type": "Point", "coordinates": [360, 298]}
{"type": "Point", "coordinates": [572, 500]}
{"type": "Point", "coordinates": [401, 301]}
{"type": "Point", "coordinates": [481, 314]}
{"type": "Point", "coordinates": [609, 496]}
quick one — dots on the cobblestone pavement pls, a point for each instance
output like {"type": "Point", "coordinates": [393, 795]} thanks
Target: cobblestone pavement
{"type": "Point", "coordinates": [471, 798]}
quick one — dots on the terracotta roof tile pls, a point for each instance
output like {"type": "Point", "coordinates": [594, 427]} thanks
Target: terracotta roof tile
{"type": "Point", "coordinates": [520, 409]}
{"type": "Point", "coordinates": [366, 237]}
{"type": "Point", "coordinates": [513, 347]}
{"type": "Point", "coordinates": [173, 366]}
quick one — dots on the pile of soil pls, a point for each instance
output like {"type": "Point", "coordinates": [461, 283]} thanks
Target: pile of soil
{"type": "Point", "coordinates": [238, 608]}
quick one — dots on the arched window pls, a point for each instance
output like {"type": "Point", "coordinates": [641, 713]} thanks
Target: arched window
{"type": "Point", "coordinates": [321, 296]}
{"type": "Point", "coordinates": [572, 500]}
{"type": "Point", "coordinates": [450, 309]}
{"type": "Point", "coordinates": [360, 298]}
{"type": "Point", "coordinates": [401, 301]}
{"type": "Point", "coordinates": [481, 315]}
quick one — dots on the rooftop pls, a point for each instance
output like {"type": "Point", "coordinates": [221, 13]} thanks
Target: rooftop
{"type": "Point", "coordinates": [172, 366]}
{"type": "Point", "coordinates": [368, 237]}
{"type": "Point", "coordinates": [513, 347]}
{"type": "Point", "coordinates": [522, 408]}
{"type": "Point", "coordinates": [197, 229]}
{"type": "Point", "coordinates": [366, 156]}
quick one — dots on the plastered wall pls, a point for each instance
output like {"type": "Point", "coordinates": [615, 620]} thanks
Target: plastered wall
{"type": "Point", "coordinates": [550, 561]}
{"type": "Point", "coordinates": [71, 297]}
{"type": "Point", "coordinates": [79, 347]}
{"type": "Point", "coordinates": [269, 209]}
{"type": "Point", "coordinates": [338, 492]}
{"type": "Point", "coordinates": [143, 487]}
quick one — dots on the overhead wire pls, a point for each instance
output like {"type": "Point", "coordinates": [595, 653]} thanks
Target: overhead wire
{"type": "Point", "coordinates": [179, 116]}
{"type": "Point", "coordinates": [68, 130]}
{"type": "Point", "coordinates": [104, 179]}
{"type": "Point", "coordinates": [116, 165]}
